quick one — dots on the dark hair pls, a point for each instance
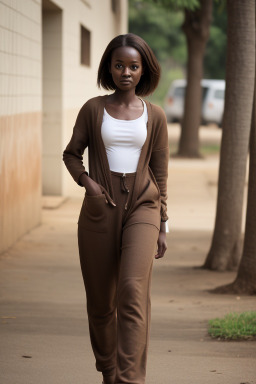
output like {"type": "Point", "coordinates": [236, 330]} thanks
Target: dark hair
{"type": "Point", "coordinates": [151, 68]}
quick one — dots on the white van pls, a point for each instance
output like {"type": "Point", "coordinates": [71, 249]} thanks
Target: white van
{"type": "Point", "coordinates": [213, 93]}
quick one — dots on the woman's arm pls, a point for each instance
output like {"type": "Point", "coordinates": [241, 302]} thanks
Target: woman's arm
{"type": "Point", "coordinates": [159, 165]}
{"type": "Point", "coordinates": [73, 154]}
{"type": "Point", "coordinates": [160, 157]}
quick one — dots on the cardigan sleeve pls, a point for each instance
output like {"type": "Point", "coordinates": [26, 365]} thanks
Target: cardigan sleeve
{"type": "Point", "coordinates": [160, 158]}
{"type": "Point", "coordinates": [73, 154]}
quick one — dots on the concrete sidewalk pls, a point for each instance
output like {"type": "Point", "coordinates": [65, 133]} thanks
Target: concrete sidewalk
{"type": "Point", "coordinates": [44, 330]}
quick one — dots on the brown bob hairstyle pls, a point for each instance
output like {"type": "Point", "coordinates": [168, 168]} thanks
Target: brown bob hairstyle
{"type": "Point", "coordinates": [151, 68]}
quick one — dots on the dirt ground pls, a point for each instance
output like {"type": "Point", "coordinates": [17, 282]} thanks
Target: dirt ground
{"type": "Point", "coordinates": [43, 325]}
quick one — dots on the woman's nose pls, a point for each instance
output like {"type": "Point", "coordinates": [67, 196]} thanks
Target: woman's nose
{"type": "Point", "coordinates": [126, 71]}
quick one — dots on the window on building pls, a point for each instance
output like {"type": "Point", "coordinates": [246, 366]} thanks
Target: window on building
{"type": "Point", "coordinates": [85, 46]}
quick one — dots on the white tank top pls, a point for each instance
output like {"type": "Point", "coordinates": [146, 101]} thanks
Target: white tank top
{"type": "Point", "coordinates": [123, 140]}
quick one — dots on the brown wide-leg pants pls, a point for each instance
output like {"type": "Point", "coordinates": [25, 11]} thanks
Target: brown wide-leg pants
{"type": "Point", "coordinates": [116, 256]}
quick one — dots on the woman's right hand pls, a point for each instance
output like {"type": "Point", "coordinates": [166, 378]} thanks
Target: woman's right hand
{"type": "Point", "coordinates": [92, 188]}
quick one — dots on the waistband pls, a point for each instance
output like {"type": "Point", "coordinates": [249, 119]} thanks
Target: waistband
{"type": "Point", "coordinates": [123, 174]}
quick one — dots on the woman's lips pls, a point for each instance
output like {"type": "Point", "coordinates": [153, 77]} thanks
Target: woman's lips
{"type": "Point", "coordinates": [125, 81]}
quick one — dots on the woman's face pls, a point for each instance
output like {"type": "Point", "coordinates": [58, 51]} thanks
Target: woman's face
{"type": "Point", "coordinates": [126, 68]}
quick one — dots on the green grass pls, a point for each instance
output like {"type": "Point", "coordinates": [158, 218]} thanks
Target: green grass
{"type": "Point", "coordinates": [234, 326]}
{"type": "Point", "coordinates": [210, 149]}
{"type": "Point", "coordinates": [205, 149]}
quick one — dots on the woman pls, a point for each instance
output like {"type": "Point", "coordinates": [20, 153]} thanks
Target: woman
{"type": "Point", "coordinates": [122, 219]}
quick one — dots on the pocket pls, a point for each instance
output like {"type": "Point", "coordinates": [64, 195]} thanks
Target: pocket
{"type": "Point", "coordinates": [149, 194]}
{"type": "Point", "coordinates": [93, 215]}
{"type": "Point", "coordinates": [144, 189]}
{"type": "Point", "coordinates": [150, 190]}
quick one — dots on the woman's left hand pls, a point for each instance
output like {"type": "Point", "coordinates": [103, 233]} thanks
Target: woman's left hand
{"type": "Point", "coordinates": [162, 245]}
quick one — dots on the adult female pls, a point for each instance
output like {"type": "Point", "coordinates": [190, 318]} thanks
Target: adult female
{"type": "Point", "coordinates": [124, 210]}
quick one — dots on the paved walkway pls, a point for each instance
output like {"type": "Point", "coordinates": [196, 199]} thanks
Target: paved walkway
{"type": "Point", "coordinates": [43, 325]}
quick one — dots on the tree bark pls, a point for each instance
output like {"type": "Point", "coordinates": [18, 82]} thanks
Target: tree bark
{"type": "Point", "coordinates": [196, 28]}
{"type": "Point", "coordinates": [246, 277]}
{"type": "Point", "coordinates": [245, 282]}
{"type": "Point", "coordinates": [225, 249]}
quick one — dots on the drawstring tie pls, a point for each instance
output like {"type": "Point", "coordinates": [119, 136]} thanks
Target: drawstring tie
{"type": "Point", "coordinates": [124, 188]}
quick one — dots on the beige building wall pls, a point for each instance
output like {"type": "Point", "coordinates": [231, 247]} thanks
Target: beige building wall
{"type": "Point", "coordinates": [42, 87]}
{"type": "Point", "coordinates": [20, 118]}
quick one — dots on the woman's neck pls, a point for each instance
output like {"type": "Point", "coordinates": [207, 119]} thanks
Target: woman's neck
{"type": "Point", "coordinates": [125, 98]}
{"type": "Point", "coordinates": [124, 105]}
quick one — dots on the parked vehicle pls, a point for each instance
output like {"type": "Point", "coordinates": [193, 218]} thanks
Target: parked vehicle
{"type": "Point", "coordinates": [213, 104]}
{"type": "Point", "coordinates": [174, 101]}
{"type": "Point", "coordinates": [213, 93]}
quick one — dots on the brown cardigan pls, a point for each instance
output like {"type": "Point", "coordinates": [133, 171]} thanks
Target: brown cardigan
{"type": "Point", "coordinates": [154, 154]}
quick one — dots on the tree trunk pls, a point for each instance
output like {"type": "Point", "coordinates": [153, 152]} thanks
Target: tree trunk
{"type": "Point", "coordinates": [246, 278]}
{"type": "Point", "coordinates": [196, 28]}
{"type": "Point", "coordinates": [245, 282]}
{"type": "Point", "coordinates": [225, 252]}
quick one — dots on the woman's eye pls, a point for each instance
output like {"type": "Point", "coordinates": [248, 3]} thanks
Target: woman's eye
{"type": "Point", "coordinates": [134, 67]}
{"type": "Point", "coordinates": [118, 66]}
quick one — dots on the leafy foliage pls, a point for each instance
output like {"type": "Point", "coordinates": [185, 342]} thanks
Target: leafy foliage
{"type": "Point", "coordinates": [160, 29]}
{"type": "Point", "coordinates": [178, 4]}
{"type": "Point", "coordinates": [215, 55]}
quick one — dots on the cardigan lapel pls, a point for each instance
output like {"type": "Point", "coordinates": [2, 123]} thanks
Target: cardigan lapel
{"type": "Point", "coordinates": [101, 147]}
{"type": "Point", "coordinates": [143, 157]}
{"type": "Point", "coordinates": [145, 146]}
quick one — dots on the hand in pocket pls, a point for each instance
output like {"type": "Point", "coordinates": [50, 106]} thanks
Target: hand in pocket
{"type": "Point", "coordinates": [92, 188]}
